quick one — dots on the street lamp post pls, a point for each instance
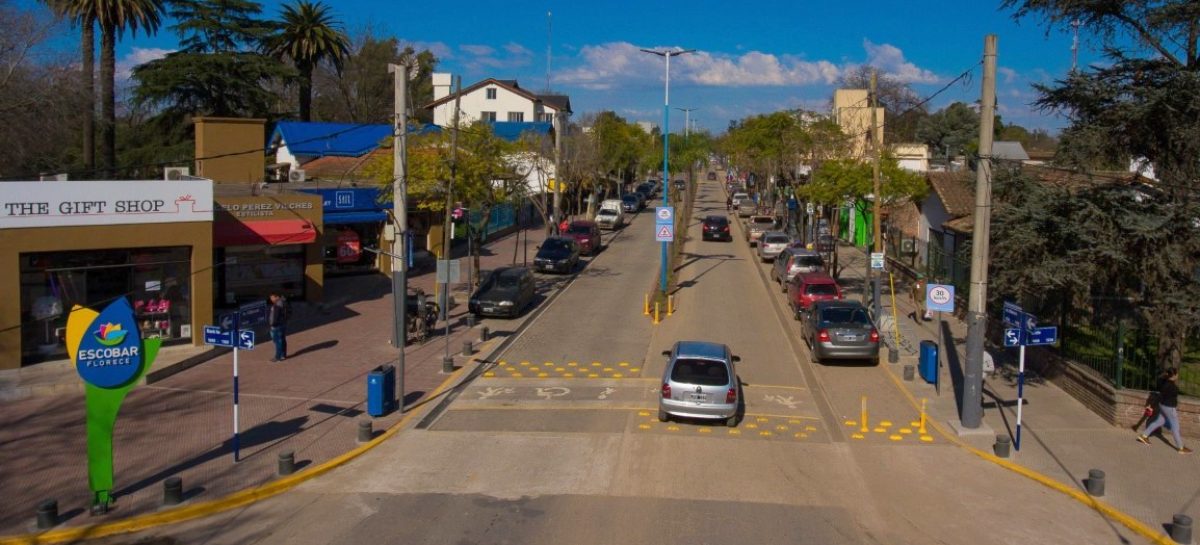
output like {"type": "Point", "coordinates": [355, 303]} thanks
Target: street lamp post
{"type": "Point", "coordinates": [666, 131]}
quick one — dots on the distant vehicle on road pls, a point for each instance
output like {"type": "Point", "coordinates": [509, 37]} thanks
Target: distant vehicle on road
{"type": "Point", "coordinates": [608, 218]}
{"type": "Point", "coordinates": [699, 382]}
{"type": "Point", "coordinates": [771, 244]}
{"type": "Point", "coordinates": [756, 226]}
{"type": "Point", "coordinates": [587, 234]}
{"type": "Point", "coordinates": [506, 292]}
{"type": "Point", "coordinates": [715, 228]}
{"type": "Point", "coordinates": [806, 289]}
{"type": "Point", "coordinates": [557, 254]}
{"type": "Point", "coordinates": [712, 175]}
{"type": "Point", "coordinates": [631, 203]}
{"type": "Point", "coordinates": [739, 197]}
{"type": "Point", "coordinates": [841, 330]}
{"type": "Point", "coordinates": [794, 261]}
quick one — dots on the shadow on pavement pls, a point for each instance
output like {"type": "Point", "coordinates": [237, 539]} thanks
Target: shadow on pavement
{"type": "Point", "coordinates": [314, 347]}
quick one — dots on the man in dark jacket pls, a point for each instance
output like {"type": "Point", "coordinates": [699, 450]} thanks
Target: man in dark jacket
{"type": "Point", "coordinates": [277, 319]}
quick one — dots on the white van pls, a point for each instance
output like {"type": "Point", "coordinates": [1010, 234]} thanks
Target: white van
{"type": "Point", "coordinates": [610, 215]}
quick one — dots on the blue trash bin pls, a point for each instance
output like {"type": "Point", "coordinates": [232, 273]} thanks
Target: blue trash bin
{"type": "Point", "coordinates": [927, 365]}
{"type": "Point", "coordinates": [381, 390]}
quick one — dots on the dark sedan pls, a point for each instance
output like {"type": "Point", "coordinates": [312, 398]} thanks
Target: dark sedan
{"type": "Point", "coordinates": [631, 203]}
{"type": "Point", "coordinates": [506, 292]}
{"type": "Point", "coordinates": [557, 254]}
{"type": "Point", "coordinates": [716, 228]}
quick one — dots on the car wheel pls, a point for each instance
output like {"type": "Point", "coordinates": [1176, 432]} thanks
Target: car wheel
{"type": "Point", "coordinates": [732, 421]}
{"type": "Point", "coordinates": [662, 416]}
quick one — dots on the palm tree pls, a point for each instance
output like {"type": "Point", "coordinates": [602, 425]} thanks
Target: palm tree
{"type": "Point", "coordinates": [308, 34]}
{"type": "Point", "coordinates": [114, 17]}
{"type": "Point", "coordinates": [86, 19]}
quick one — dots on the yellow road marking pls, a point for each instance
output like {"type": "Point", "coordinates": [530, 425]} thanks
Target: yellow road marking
{"type": "Point", "coordinates": [635, 369]}
{"type": "Point", "coordinates": [489, 374]}
{"type": "Point", "coordinates": [618, 375]}
{"type": "Point", "coordinates": [810, 428]}
{"type": "Point", "coordinates": [851, 422]}
{"type": "Point", "coordinates": [905, 431]}
{"type": "Point", "coordinates": [543, 375]}
{"type": "Point", "coordinates": [794, 421]}
{"type": "Point", "coordinates": [593, 375]}
{"type": "Point", "coordinates": [623, 364]}
{"type": "Point", "coordinates": [608, 369]}
{"type": "Point", "coordinates": [643, 413]}
{"type": "Point", "coordinates": [856, 436]}
{"type": "Point", "coordinates": [644, 426]}
{"type": "Point", "coordinates": [801, 435]}
{"type": "Point", "coordinates": [533, 369]}
{"type": "Point", "coordinates": [548, 364]}
{"type": "Point", "coordinates": [751, 425]}
{"type": "Point", "coordinates": [517, 375]}
{"type": "Point", "coordinates": [597, 364]}
{"type": "Point", "coordinates": [569, 375]}
{"type": "Point", "coordinates": [927, 438]}
{"type": "Point", "coordinates": [572, 363]}
{"type": "Point", "coordinates": [781, 427]}
{"type": "Point", "coordinates": [672, 428]}
{"type": "Point", "coordinates": [734, 432]}
{"type": "Point", "coordinates": [703, 430]}
{"type": "Point", "coordinates": [880, 430]}
{"type": "Point", "coordinates": [895, 437]}
{"type": "Point", "coordinates": [763, 419]}
{"type": "Point", "coordinates": [765, 433]}
{"type": "Point", "coordinates": [525, 364]}
{"type": "Point", "coordinates": [885, 423]}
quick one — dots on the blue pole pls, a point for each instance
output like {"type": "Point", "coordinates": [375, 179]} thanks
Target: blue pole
{"type": "Point", "coordinates": [666, 151]}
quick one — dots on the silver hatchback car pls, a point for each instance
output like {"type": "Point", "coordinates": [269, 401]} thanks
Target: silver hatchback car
{"type": "Point", "coordinates": [700, 382]}
{"type": "Point", "coordinates": [772, 244]}
{"type": "Point", "coordinates": [794, 261]}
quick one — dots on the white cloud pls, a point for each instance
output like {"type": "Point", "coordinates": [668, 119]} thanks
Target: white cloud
{"type": "Point", "coordinates": [139, 55]}
{"type": "Point", "coordinates": [516, 49]}
{"type": "Point", "coordinates": [439, 49]}
{"type": "Point", "coordinates": [477, 50]}
{"type": "Point", "coordinates": [604, 66]}
{"type": "Point", "coordinates": [487, 59]}
{"type": "Point", "coordinates": [1009, 74]}
{"type": "Point", "coordinates": [890, 59]}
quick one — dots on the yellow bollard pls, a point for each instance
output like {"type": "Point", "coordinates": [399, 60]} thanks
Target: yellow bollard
{"type": "Point", "coordinates": [670, 305]}
{"type": "Point", "coordinates": [646, 305]}
{"type": "Point", "coordinates": [864, 427]}
{"type": "Point", "coordinates": [656, 313]}
{"type": "Point", "coordinates": [921, 430]}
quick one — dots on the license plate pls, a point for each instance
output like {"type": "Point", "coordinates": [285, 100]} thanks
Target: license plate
{"type": "Point", "coordinates": [849, 338]}
{"type": "Point", "coordinates": [489, 309]}
{"type": "Point", "coordinates": [697, 398]}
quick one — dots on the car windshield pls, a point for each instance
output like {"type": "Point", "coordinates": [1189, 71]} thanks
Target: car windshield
{"type": "Point", "coordinates": [701, 372]}
{"type": "Point", "coordinates": [845, 315]}
{"type": "Point", "coordinates": [579, 229]}
{"type": "Point", "coordinates": [607, 212]}
{"type": "Point", "coordinates": [776, 239]}
{"type": "Point", "coordinates": [821, 289]}
{"type": "Point", "coordinates": [764, 220]}
{"type": "Point", "coordinates": [556, 246]}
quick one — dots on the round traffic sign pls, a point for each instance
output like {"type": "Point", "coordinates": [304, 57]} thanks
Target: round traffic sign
{"type": "Point", "coordinates": [664, 213]}
{"type": "Point", "coordinates": [939, 295]}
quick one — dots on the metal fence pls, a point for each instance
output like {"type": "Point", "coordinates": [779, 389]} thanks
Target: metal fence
{"type": "Point", "coordinates": [1126, 356]}
{"type": "Point", "coordinates": [930, 259]}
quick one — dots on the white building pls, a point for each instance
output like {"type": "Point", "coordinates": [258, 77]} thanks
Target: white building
{"type": "Point", "coordinates": [494, 100]}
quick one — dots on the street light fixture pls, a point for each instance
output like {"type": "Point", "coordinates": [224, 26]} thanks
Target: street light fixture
{"type": "Point", "coordinates": [666, 131]}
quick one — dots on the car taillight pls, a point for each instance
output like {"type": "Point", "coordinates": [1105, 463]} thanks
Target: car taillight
{"type": "Point", "coordinates": [726, 228]}
{"type": "Point", "coordinates": [822, 336]}
{"type": "Point", "coordinates": [666, 391]}
{"type": "Point", "coordinates": [874, 336]}
{"type": "Point", "coordinates": [731, 396]}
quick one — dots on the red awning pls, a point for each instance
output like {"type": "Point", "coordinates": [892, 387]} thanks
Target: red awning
{"type": "Point", "coordinates": [236, 233]}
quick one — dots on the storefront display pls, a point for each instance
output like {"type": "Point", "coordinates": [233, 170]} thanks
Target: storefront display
{"type": "Point", "coordinates": [354, 218]}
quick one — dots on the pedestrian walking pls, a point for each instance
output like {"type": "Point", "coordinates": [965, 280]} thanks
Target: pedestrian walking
{"type": "Point", "coordinates": [1168, 414]}
{"type": "Point", "coordinates": [918, 296]}
{"type": "Point", "coordinates": [277, 318]}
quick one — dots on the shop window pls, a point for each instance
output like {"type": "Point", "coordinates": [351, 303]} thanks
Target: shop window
{"type": "Point", "coordinates": [252, 273]}
{"type": "Point", "coordinates": [157, 282]}
{"type": "Point", "coordinates": [346, 247]}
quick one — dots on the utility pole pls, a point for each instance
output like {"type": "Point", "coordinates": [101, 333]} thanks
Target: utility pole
{"type": "Point", "coordinates": [447, 361]}
{"type": "Point", "coordinates": [868, 279]}
{"type": "Point", "coordinates": [400, 227]}
{"type": "Point", "coordinates": [687, 122]}
{"type": "Point", "coordinates": [557, 215]}
{"type": "Point", "coordinates": [1075, 24]}
{"type": "Point", "coordinates": [972, 402]}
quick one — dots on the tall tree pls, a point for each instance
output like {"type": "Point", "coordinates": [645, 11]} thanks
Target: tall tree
{"type": "Point", "coordinates": [1143, 102]}
{"type": "Point", "coordinates": [82, 13]}
{"type": "Point", "coordinates": [362, 91]}
{"type": "Point", "coordinates": [308, 35]}
{"type": "Point", "coordinates": [114, 18]}
{"type": "Point", "coordinates": [951, 131]}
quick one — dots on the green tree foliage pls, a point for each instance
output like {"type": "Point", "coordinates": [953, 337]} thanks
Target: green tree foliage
{"type": "Point", "coordinates": [219, 69]}
{"type": "Point", "coordinates": [1143, 102]}
{"type": "Point", "coordinates": [781, 143]}
{"type": "Point", "coordinates": [838, 180]}
{"type": "Point", "coordinates": [363, 90]}
{"type": "Point", "coordinates": [308, 34]}
{"type": "Point", "coordinates": [951, 131]}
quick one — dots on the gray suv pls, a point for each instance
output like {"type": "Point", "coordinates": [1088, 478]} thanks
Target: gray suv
{"type": "Point", "coordinates": [794, 261]}
{"type": "Point", "coordinates": [700, 382]}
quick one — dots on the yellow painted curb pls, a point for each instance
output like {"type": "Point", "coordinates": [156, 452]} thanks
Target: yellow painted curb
{"type": "Point", "coordinates": [1109, 511]}
{"type": "Point", "coordinates": [234, 500]}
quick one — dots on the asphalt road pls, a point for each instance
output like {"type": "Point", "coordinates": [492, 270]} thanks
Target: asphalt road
{"type": "Point", "coordinates": [558, 442]}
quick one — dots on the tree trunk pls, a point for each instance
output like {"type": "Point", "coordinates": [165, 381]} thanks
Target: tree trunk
{"type": "Point", "coordinates": [306, 75]}
{"type": "Point", "coordinates": [88, 50]}
{"type": "Point", "coordinates": [108, 100]}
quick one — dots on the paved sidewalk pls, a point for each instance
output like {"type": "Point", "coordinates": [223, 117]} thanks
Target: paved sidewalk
{"type": "Point", "coordinates": [182, 426]}
{"type": "Point", "coordinates": [1061, 438]}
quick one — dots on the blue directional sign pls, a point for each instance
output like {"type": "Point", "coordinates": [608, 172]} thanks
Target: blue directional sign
{"type": "Point", "coordinates": [1012, 314]}
{"type": "Point", "coordinates": [1029, 322]}
{"type": "Point", "coordinates": [1039, 336]}
{"type": "Point", "coordinates": [246, 316]}
{"type": "Point", "coordinates": [246, 340]}
{"type": "Point", "coordinates": [218, 337]}
{"type": "Point", "coordinates": [1012, 337]}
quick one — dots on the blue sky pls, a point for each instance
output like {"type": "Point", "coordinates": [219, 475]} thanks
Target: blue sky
{"type": "Point", "coordinates": [752, 57]}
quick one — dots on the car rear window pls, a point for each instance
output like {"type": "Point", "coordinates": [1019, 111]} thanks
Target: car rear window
{"type": "Point", "coordinates": [577, 229]}
{"type": "Point", "coordinates": [777, 239]}
{"type": "Point", "coordinates": [845, 315]}
{"type": "Point", "coordinates": [608, 212]}
{"type": "Point", "coordinates": [820, 289]}
{"type": "Point", "coordinates": [808, 261]}
{"type": "Point", "coordinates": [719, 220]}
{"type": "Point", "coordinates": [701, 372]}
{"type": "Point", "coordinates": [764, 220]}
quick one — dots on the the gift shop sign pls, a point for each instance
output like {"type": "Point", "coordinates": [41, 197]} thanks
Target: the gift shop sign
{"type": "Point", "coordinates": [117, 202]}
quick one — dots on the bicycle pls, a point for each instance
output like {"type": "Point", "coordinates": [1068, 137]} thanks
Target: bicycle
{"type": "Point", "coordinates": [422, 316]}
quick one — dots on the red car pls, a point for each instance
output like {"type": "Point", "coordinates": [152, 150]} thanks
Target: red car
{"type": "Point", "coordinates": [587, 234]}
{"type": "Point", "coordinates": [806, 289]}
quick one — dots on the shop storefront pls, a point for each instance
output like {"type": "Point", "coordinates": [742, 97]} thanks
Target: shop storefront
{"type": "Point", "coordinates": [354, 219]}
{"type": "Point", "coordinates": [264, 244]}
{"type": "Point", "coordinates": [86, 243]}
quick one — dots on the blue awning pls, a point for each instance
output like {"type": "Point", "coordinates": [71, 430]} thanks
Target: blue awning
{"type": "Point", "coordinates": [355, 217]}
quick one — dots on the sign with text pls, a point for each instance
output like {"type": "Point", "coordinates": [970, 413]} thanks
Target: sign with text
{"type": "Point", "coordinates": [116, 202]}
{"type": "Point", "coordinates": [877, 261]}
{"type": "Point", "coordinates": [940, 297]}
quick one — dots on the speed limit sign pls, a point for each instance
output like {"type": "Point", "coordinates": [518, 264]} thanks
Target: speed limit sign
{"type": "Point", "coordinates": [940, 297]}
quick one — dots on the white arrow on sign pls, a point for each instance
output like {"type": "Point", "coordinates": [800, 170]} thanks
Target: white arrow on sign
{"type": "Point", "coordinates": [1012, 337]}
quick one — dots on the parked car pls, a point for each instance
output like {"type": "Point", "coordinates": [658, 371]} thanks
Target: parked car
{"type": "Point", "coordinates": [841, 330]}
{"type": "Point", "coordinates": [587, 234]}
{"type": "Point", "coordinates": [712, 176]}
{"type": "Point", "coordinates": [738, 197]}
{"type": "Point", "coordinates": [699, 382]}
{"type": "Point", "coordinates": [557, 254]}
{"type": "Point", "coordinates": [715, 228]}
{"type": "Point", "coordinates": [631, 203]}
{"type": "Point", "coordinates": [806, 289]}
{"type": "Point", "coordinates": [756, 226]}
{"type": "Point", "coordinates": [794, 261]}
{"type": "Point", "coordinates": [608, 218]}
{"type": "Point", "coordinates": [771, 244]}
{"type": "Point", "coordinates": [646, 193]}
{"type": "Point", "coordinates": [506, 292]}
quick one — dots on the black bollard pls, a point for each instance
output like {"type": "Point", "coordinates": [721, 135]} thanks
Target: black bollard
{"type": "Point", "coordinates": [468, 349]}
{"type": "Point", "coordinates": [47, 514]}
{"type": "Point", "coordinates": [893, 354]}
{"type": "Point", "coordinates": [1002, 446]}
{"type": "Point", "coordinates": [1181, 529]}
{"type": "Point", "coordinates": [908, 373]}
{"type": "Point", "coordinates": [484, 333]}
{"type": "Point", "coordinates": [448, 365]}
{"type": "Point", "coordinates": [470, 321]}
{"type": "Point", "coordinates": [173, 491]}
{"type": "Point", "coordinates": [364, 431]}
{"type": "Point", "coordinates": [287, 463]}
{"type": "Point", "coordinates": [1095, 482]}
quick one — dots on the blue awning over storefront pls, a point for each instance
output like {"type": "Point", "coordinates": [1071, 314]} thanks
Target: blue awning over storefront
{"type": "Point", "coordinates": [336, 218]}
